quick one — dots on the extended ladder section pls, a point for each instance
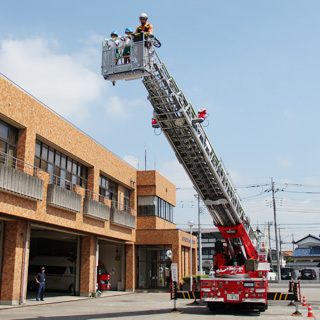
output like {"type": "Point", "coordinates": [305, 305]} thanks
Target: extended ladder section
{"type": "Point", "coordinates": [179, 123]}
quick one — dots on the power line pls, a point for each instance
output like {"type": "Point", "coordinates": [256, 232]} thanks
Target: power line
{"type": "Point", "coordinates": [304, 192]}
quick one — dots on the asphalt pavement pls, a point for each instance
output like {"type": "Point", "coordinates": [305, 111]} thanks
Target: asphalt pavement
{"type": "Point", "coordinates": [151, 305]}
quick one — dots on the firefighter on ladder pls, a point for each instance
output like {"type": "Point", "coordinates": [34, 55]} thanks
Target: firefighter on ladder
{"type": "Point", "coordinates": [145, 27]}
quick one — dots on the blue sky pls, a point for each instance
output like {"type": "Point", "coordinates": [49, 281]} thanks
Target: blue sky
{"type": "Point", "coordinates": [254, 65]}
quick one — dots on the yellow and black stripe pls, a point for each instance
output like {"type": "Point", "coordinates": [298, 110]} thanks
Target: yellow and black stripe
{"type": "Point", "coordinates": [188, 295]}
{"type": "Point", "coordinates": [280, 296]}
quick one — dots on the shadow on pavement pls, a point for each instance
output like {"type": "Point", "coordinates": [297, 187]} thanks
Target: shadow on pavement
{"type": "Point", "coordinates": [101, 315]}
{"type": "Point", "coordinates": [196, 310]}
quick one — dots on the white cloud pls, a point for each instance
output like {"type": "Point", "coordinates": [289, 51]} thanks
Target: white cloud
{"type": "Point", "coordinates": [133, 161]}
{"type": "Point", "coordinates": [120, 107]}
{"type": "Point", "coordinates": [284, 162]}
{"type": "Point", "coordinates": [63, 82]}
{"type": "Point", "coordinates": [115, 106]}
{"type": "Point", "coordinates": [174, 172]}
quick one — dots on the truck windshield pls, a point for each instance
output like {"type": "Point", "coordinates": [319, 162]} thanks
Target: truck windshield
{"type": "Point", "coordinates": [103, 270]}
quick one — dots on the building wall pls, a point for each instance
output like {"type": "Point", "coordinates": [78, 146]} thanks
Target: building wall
{"type": "Point", "coordinates": [40, 123]}
{"type": "Point", "coordinates": [36, 122]}
{"type": "Point", "coordinates": [178, 240]}
{"type": "Point", "coordinates": [88, 265]}
{"type": "Point", "coordinates": [14, 264]}
{"type": "Point", "coordinates": [152, 222]}
{"type": "Point", "coordinates": [152, 183]}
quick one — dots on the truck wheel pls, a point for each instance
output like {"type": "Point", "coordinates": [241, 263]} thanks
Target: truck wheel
{"type": "Point", "coordinates": [263, 308]}
{"type": "Point", "coordinates": [212, 306]}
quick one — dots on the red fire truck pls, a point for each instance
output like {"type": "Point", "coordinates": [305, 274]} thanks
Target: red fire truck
{"type": "Point", "coordinates": [103, 277]}
{"type": "Point", "coordinates": [241, 267]}
{"type": "Point", "coordinates": [237, 280]}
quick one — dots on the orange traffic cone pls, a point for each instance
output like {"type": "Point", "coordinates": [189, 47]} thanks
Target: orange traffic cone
{"type": "Point", "coordinates": [310, 314]}
{"type": "Point", "coordinates": [304, 302]}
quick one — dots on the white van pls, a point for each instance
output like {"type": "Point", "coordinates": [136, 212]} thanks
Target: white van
{"type": "Point", "coordinates": [60, 272]}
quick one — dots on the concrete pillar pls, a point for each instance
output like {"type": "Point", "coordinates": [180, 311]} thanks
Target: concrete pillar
{"type": "Point", "coordinates": [88, 265]}
{"type": "Point", "coordinates": [93, 180]}
{"type": "Point", "coordinates": [15, 262]}
{"type": "Point", "coordinates": [130, 267]}
{"type": "Point", "coordinates": [26, 146]}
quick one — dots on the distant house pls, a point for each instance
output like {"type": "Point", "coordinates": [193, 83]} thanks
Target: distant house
{"type": "Point", "coordinates": [307, 254]}
{"type": "Point", "coordinates": [308, 241]}
{"type": "Point", "coordinates": [287, 254]}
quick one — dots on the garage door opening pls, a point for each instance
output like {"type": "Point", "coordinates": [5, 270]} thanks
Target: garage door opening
{"type": "Point", "coordinates": [112, 256]}
{"type": "Point", "coordinates": [57, 252]}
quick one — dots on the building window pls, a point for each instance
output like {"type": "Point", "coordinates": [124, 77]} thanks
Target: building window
{"type": "Point", "coordinates": [63, 169]}
{"type": "Point", "coordinates": [109, 190]}
{"type": "Point", "coordinates": [147, 206]}
{"type": "Point", "coordinates": [208, 252]}
{"type": "Point", "coordinates": [155, 206]}
{"type": "Point", "coordinates": [8, 140]}
{"type": "Point", "coordinates": [126, 199]}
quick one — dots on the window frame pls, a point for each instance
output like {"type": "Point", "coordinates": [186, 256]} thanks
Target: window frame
{"type": "Point", "coordinates": [159, 208]}
{"type": "Point", "coordinates": [11, 141]}
{"type": "Point", "coordinates": [48, 156]}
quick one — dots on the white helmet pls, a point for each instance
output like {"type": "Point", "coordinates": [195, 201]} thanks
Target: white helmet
{"type": "Point", "coordinates": [143, 16]}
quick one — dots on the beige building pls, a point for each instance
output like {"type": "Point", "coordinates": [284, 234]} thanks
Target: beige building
{"type": "Point", "coordinates": [63, 194]}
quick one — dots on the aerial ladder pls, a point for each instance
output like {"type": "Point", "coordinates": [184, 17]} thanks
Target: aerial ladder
{"type": "Point", "coordinates": [241, 269]}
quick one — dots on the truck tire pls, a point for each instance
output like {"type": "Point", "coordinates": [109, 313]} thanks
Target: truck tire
{"type": "Point", "coordinates": [262, 307]}
{"type": "Point", "coordinates": [211, 306]}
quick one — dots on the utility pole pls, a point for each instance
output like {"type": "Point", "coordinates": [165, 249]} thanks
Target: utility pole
{"type": "Point", "coordinates": [275, 227]}
{"type": "Point", "coordinates": [280, 252]}
{"type": "Point", "coordinates": [292, 242]}
{"type": "Point", "coordinates": [270, 250]}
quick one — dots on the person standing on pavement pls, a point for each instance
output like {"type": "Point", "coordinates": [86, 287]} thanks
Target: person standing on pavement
{"type": "Point", "coordinates": [41, 280]}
